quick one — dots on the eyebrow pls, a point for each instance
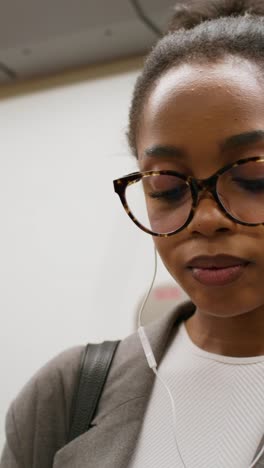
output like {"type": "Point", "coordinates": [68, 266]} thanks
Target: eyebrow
{"type": "Point", "coordinates": [241, 140]}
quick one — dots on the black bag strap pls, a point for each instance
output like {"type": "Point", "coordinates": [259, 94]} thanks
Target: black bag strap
{"type": "Point", "coordinates": [96, 362]}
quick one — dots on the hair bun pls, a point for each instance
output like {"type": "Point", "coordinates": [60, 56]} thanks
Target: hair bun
{"type": "Point", "coordinates": [190, 13]}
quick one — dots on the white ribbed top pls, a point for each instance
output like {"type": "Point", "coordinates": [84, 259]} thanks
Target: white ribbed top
{"type": "Point", "coordinates": [219, 409]}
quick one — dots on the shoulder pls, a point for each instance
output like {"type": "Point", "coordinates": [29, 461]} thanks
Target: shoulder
{"type": "Point", "coordinates": [55, 378]}
{"type": "Point", "coordinates": [38, 419]}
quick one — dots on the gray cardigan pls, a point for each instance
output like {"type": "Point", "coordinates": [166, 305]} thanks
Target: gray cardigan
{"type": "Point", "coordinates": [38, 419]}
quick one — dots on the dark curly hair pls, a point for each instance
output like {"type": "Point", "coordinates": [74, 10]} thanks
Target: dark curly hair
{"type": "Point", "coordinates": [200, 31]}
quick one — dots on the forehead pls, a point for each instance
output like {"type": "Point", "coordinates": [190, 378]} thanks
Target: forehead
{"type": "Point", "coordinates": [196, 106]}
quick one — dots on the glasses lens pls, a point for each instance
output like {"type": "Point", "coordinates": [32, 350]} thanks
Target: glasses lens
{"type": "Point", "coordinates": [160, 203]}
{"type": "Point", "coordinates": [241, 192]}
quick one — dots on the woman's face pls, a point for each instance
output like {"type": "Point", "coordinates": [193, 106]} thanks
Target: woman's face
{"type": "Point", "coordinates": [195, 108]}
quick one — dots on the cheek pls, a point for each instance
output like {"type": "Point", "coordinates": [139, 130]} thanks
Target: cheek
{"type": "Point", "coordinates": [169, 251]}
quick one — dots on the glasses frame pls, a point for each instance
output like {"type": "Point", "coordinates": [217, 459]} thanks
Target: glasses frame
{"type": "Point", "coordinates": [196, 186]}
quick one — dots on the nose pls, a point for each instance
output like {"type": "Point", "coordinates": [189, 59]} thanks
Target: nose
{"type": "Point", "coordinates": [209, 218]}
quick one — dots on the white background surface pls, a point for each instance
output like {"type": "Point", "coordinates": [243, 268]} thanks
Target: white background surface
{"type": "Point", "coordinates": [72, 264]}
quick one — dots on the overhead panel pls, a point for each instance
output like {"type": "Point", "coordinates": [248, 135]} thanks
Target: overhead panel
{"type": "Point", "coordinates": [38, 38]}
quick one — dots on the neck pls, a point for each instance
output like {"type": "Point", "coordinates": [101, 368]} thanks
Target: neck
{"type": "Point", "coordinates": [239, 336]}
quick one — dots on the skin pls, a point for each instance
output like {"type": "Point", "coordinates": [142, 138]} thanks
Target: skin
{"type": "Point", "coordinates": [195, 107]}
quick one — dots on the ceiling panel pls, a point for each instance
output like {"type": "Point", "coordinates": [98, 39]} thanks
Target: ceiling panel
{"type": "Point", "coordinates": [39, 37]}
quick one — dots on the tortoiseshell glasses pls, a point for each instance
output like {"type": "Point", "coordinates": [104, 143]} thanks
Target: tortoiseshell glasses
{"type": "Point", "coordinates": [163, 203]}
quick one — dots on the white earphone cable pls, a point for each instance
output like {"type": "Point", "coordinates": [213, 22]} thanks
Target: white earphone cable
{"type": "Point", "coordinates": [150, 288]}
{"type": "Point", "coordinates": [151, 358]}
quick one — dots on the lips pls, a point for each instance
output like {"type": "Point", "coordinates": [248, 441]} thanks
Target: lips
{"type": "Point", "coordinates": [217, 261]}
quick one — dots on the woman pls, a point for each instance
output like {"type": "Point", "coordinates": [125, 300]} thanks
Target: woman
{"type": "Point", "coordinates": [197, 130]}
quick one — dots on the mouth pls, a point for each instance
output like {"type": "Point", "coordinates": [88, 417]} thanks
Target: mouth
{"type": "Point", "coordinates": [216, 261]}
{"type": "Point", "coordinates": [218, 276]}
{"type": "Point", "coordinates": [218, 270]}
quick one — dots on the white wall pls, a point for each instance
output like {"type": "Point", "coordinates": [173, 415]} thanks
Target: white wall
{"type": "Point", "coordinates": [72, 264]}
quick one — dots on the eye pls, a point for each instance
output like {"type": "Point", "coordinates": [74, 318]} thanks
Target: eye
{"type": "Point", "coordinates": [175, 194]}
{"type": "Point", "coordinates": [254, 185]}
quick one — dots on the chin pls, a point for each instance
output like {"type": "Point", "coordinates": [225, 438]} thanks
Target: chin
{"type": "Point", "coordinates": [218, 303]}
